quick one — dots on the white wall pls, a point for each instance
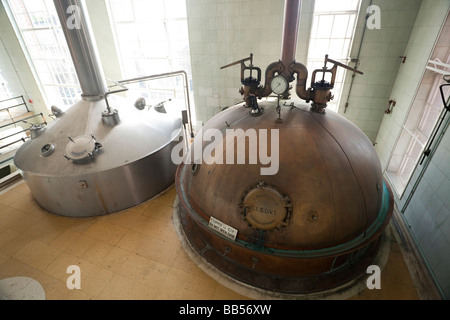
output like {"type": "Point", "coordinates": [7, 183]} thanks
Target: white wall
{"type": "Point", "coordinates": [380, 62]}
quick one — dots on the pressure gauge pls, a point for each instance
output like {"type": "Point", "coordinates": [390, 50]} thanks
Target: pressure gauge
{"type": "Point", "coordinates": [279, 85]}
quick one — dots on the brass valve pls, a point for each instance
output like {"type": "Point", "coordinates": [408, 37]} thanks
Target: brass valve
{"type": "Point", "coordinates": [250, 84]}
{"type": "Point", "coordinates": [321, 90]}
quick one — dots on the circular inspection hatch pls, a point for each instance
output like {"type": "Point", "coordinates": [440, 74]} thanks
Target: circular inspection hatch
{"type": "Point", "coordinates": [266, 208]}
{"type": "Point", "coordinates": [80, 148]}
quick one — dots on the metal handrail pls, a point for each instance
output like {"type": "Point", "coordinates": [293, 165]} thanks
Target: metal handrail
{"type": "Point", "coordinates": [10, 144]}
{"type": "Point", "coordinates": [21, 120]}
{"type": "Point", "coordinates": [162, 76]}
{"type": "Point", "coordinates": [17, 105]}
{"type": "Point", "coordinates": [12, 135]}
{"type": "Point", "coordinates": [25, 130]}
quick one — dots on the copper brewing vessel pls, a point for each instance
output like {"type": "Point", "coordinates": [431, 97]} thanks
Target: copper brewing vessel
{"type": "Point", "coordinates": [314, 224]}
{"type": "Point", "coordinates": [330, 185]}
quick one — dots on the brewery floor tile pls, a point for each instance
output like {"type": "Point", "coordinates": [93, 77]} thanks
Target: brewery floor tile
{"type": "Point", "coordinates": [131, 255]}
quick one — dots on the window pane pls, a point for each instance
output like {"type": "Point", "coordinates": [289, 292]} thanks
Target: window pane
{"type": "Point", "coordinates": [152, 31]}
{"type": "Point", "coordinates": [336, 49]}
{"type": "Point", "coordinates": [340, 26]}
{"type": "Point", "coordinates": [332, 34]}
{"type": "Point", "coordinates": [154, 41]}
{"type": "Point", "coordinates": [177, 9]}
{"type": "Point", "coordinates": [18, 7]}
{"type": "Point", "coordinates": [325, 26]}
{"type": "Point", "coordinates": [335, 5]}
{"type": "Point", "coordinates": [122, 10]}
{"type": "Point", "coordinates": [40, 29]}
{"type": "Point", "coordinates": [34, 5]}
{"type": "Point", "coordinates": [40, 19]}
{"type": "Point", "coordinates": [24, 22]}
{"type": "Point", "coordinates": [149, 10]}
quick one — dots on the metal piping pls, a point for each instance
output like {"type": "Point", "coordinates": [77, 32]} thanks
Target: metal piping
{"type": "Point", "coordinates": [290, 34]}
{"type": "Point", "coordinates": [357, 61]}
{"type": "Point", "coordinates": [302, 77]}
{"type": "Point", "coordinates": [291, 24]}
{"type": "Point", "coordinates": [273, 68]}
{"type": "Point", "coordinates": [77, 29]}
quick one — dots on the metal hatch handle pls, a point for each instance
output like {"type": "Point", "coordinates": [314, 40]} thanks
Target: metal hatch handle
{"type": "Point", "coordinates": [336, 63]}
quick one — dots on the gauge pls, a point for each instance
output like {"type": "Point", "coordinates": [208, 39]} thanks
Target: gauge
{"type": "Point", "coordinates": [279, 85]}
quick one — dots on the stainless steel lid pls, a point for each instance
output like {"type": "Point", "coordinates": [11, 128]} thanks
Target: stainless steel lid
{"type": "Point", "coordinates": [80, 148]}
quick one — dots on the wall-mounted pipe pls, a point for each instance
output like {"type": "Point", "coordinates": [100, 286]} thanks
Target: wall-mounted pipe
{"type": "Point", "coordinates": [272, 69]}
{"type": "Point", "coordinates": [356, 60]}
{"type": "Point", "coordinates": [291, 24]}
{"type": "Point", "coordinates": [77, 29]}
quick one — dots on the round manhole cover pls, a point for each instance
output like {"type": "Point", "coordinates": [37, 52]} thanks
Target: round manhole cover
{"type": "Point", "coordinates": [265, 208]}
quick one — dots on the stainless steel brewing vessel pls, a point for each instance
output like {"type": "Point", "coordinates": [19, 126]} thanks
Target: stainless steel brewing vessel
{"type": "Point", "coordinates": [102, 155]}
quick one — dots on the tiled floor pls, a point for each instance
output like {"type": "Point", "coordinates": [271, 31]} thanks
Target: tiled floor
{"type": "Point", "coordinates": [134, 254]}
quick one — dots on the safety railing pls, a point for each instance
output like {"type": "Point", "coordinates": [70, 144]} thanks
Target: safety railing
{"type": "Point", "coordinates": [16, 103]}
{"type": "Point", "coordinates": [16, 127]}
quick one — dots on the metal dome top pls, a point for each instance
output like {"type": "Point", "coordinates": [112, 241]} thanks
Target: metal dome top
{"type": "Point", "coordinates": [328, 192]}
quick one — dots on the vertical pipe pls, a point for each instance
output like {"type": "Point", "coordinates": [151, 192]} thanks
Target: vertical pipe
{"type": "Point", "coordinates": [77, 29]}
{"type": "Point", "coordinates": [290, 33]}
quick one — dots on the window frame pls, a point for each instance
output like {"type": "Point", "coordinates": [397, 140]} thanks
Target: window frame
{"type": "Point", "coordinates": [415, 133]}
{"type": "Point", "coordinates": [58, 66]}
{"type": "Point", "coordinates": [314, 63]}
{"type": "Point", "coordinates": [159, 90]}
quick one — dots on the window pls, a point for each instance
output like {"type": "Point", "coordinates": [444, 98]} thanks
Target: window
{"type": "Point", "coordinates": [152, 38]}
{"type": "Point", "coordinates": [417, 130]}
{"type": "Point", "coordinates": [421, 124]}
{"type": "Point", "coordinates": [332, 33]}
{"type": "Point", "coordinates": [46, 45]}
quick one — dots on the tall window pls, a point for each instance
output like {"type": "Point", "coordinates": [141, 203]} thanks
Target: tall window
{"type": "Point", "coordinates": [152, 38]}
{"type": "Point", "coordinates": [44, 39]}
{"type": "Point", "coordinates": [420, 125]}
{"type": "Point", "coordinates": [417, 130]}
{"type": "Point", "coordinates": [332, 33]}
